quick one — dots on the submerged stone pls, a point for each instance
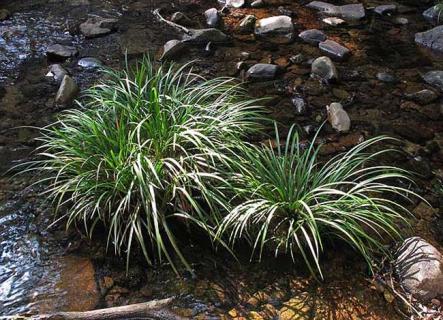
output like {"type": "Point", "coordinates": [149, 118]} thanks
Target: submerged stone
{"type": "Point", "coordinates": [171, 49]}
{"type": "Point", "coordinates": [262, 71]}
{"type": "Point", "coordinates": [424, 96]}
{"type": "Point", "coordinates": [338, 117]}
{"type": "Point", "coordinates": [386, 77]}
{"type": "Point", "coordinates": [432, 39]}
{"type": "Point", "coordinates": [434, 78]}
{"type": "Point", "coordinates": [203, 36]}
{"type": "Point", "coordinates": [324, 68]}
{"type": "Point", "coordinates": [61, 52]}
{"type": "Point", "coordinates": [277, 29]}
{"type": "Point", "coordinates": [433, 15]}
{"type": "Point", "coordinates": [89, 63]}
{"type": "Point", "coordinates": [419, 266]}
{"type": "Point", "coordinates": [67, 91]}
{"type": "Point", "coordinates": [334, 50]}
{"type": "Point", "coordinates": [347, 12]}
{"type": "Point", "coordinates": [97, 26]}
{"type": "Point", "coordinates": [313, 36]}
{"type": "Point", "coordinates": [385, 9]}
{"type": "Point", "coordinates": [212, 17]}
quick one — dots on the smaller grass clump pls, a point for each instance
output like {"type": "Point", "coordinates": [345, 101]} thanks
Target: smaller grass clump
{"type": "Point", "coordinates": [289, 201]}
{"type": "Point", "coordinates": [144, 151]}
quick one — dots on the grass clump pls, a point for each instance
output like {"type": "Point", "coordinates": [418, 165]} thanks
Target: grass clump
{"type": "Point", "coordinates": [146, 147]}
{"type": "Point", "coordinates": [289, 201]}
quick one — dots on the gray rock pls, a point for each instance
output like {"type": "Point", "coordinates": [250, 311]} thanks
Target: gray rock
{"type": "Point", "coordinates": [203, 36]}
{"type": "Point", "coordinates": [4, 14]}
{"type": "Point", "coordinates": [433, 15]}
{"type": "Point", "coordinates": [299, 104]}
{"type": "Point", "coordinates": [235, 3]}
{"type": "Point", "coordinates": [333, 21]}
{"type": "Point", "coordinates": [212, 17]}
{"type": "Point", "coordinates": [89, 63]}
{"type": "Point", "coordinates": [97, 26]}
{"type": "Point", "coordinates": [419, 266]}
{"type": "Point", "coordinates": [312, 36]}
{"type": "Point", "coordinates": [401, 21]}
{"type": "Point", "coordinates": [324, 68]}
{"type": "Point", "coordinates": [57, 72]}
{"type": "Point", "coordinates": [385, 9]}
{"type": "Point", "coordinates": [285, 12]}
{"type": "Point", "coordinates": [277, 29]}
{"type": "Point", "coordinates": [171, 49]}
{"type": "Point", "coordinates": [247, 24]}
{"type": "Point", "coordinates": [386, 77]}
{"type": "Point", "coordinates": [432, 39]}
{"type": "Point", "coordinates": [434, 78]}
{"type": "Point", "coordinates": [257, 4]}
{"type": "Point", "coordinates": [424, 96]}
{"type": "Point", "coordinates": [67, 91]}
{"type": "Point", "coordinates": [58, 51]}
{"type": "Point", "coordinates": [338, 117]}
{"type": "Point", "coordinates": [334, 50]}
{"type": "Point", "coordinates": [181, 18]}
{"type": "Point", "coordinates": [262, 71]}
{"type": "Point", "coordinates": [347, 12]}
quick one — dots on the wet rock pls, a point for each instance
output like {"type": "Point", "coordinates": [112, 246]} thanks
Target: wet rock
{"type": "Point", "coordinates": [434, 78]}
{"type": "Point", "coordinates": [171, 49]}
{"type": "Point", "coordinates": [257, 4]}
{"type": "Point", "coordinates": [277, 29]}
{"type": "Point", "coordinates": [181, 18]}
{"type": "Point", "coordinates": [413, 131]}
{"type": "Point", "coordinates": [235, 3]}
{"type": "Point", "coordinates": [333, 21]}
{"type": "Point", "coordinates": [385, 9]}
{"type": "Point", "coordinates": [313, 36]}
{"type": "Point", "coordinates": [420, 268]}
{"type": "Point", "coordinates": [4, 14]}
{"type": "Point", "coordinates": [60, 52]}
{"type": "Point", "coordinates": [324, 68]}
{"type": "Point", "coordinates": [401, 21]}
{"type": "Point", "coordinates": [424, 96]}
{"type": "Point", "coordinates": [433, 15]}
{"type": "Point", "coordinates": [57, 72]}
{"type": "Point", "coordinates": [97, 26]}
{"type": "Point", "coordinates": [67, 91]}
{"type": "Point", "coordinates": [247, 24]}
{"type": "Point", "coordinates": [297, 59]}
{"type": "Point", "coordinates": [285, 12]}
{"type": "Point", "coordinates": [386, 77]}
{"type": "Point", "coordinates": [338, 117]}
{"type": "Point", "coordinates": [347, 12]}
{"type": "Point", "coordinates": [334, 50]}
{"type": "Point", "coordinates": [300, 105]}
{"type": "Point", "coordinates": [203, 36]}
{"type": "Point", "coordinates": [262, 71]}
{"type": "Point", "coordinates": [432, 39]}
{"type": "Point", "coordinates": [212, 17]}
{"type": "Point", "coordinates": [90, 63]}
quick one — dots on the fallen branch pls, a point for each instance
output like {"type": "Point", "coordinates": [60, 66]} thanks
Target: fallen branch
{"type": "Point", "coordinates": [177, 26]}
{"type": "Point", "coordinates": [154, 310]}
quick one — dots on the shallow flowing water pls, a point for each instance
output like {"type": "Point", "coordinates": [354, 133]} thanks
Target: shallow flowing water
{"type": "Point", "coordinates": [38, 270]}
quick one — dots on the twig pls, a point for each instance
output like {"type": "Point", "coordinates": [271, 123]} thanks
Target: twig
{"type": "Point", "coordinates": [177, 26]}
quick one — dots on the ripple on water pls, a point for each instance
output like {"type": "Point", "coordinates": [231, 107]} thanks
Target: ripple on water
{"type": "Point", "coordinates": [26, 35]}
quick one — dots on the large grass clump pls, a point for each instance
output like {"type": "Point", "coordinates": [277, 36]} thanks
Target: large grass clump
{"type": "Point", "coordinates": [144, 152]}
{"type": "Point", "coordinates": [288, 200]}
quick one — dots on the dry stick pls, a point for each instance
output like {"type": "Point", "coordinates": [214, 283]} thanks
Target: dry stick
{"type": "Point", "coordinates": [154, 310]}
{"type": "Point", "coordinates": [172, 24]}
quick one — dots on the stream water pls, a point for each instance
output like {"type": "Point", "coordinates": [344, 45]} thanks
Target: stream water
{"type": "Point", "coordinates": [43, 270]}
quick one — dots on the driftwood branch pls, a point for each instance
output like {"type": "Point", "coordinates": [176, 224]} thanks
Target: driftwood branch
{"type": "Point", "coordinates": [177, 26]}
{"type": "Point", "coordinates": [153, 310]}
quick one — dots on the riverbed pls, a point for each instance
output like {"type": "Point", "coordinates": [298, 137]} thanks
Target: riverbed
{"type": "Point", "coordinates": [44, 268]}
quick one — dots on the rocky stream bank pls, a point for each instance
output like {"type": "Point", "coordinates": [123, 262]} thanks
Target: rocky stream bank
{"type": "Point", "coordinates": [374, 67]}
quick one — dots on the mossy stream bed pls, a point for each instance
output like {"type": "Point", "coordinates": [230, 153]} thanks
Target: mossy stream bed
{"type": "Point", "coordinates": [45, 269]}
